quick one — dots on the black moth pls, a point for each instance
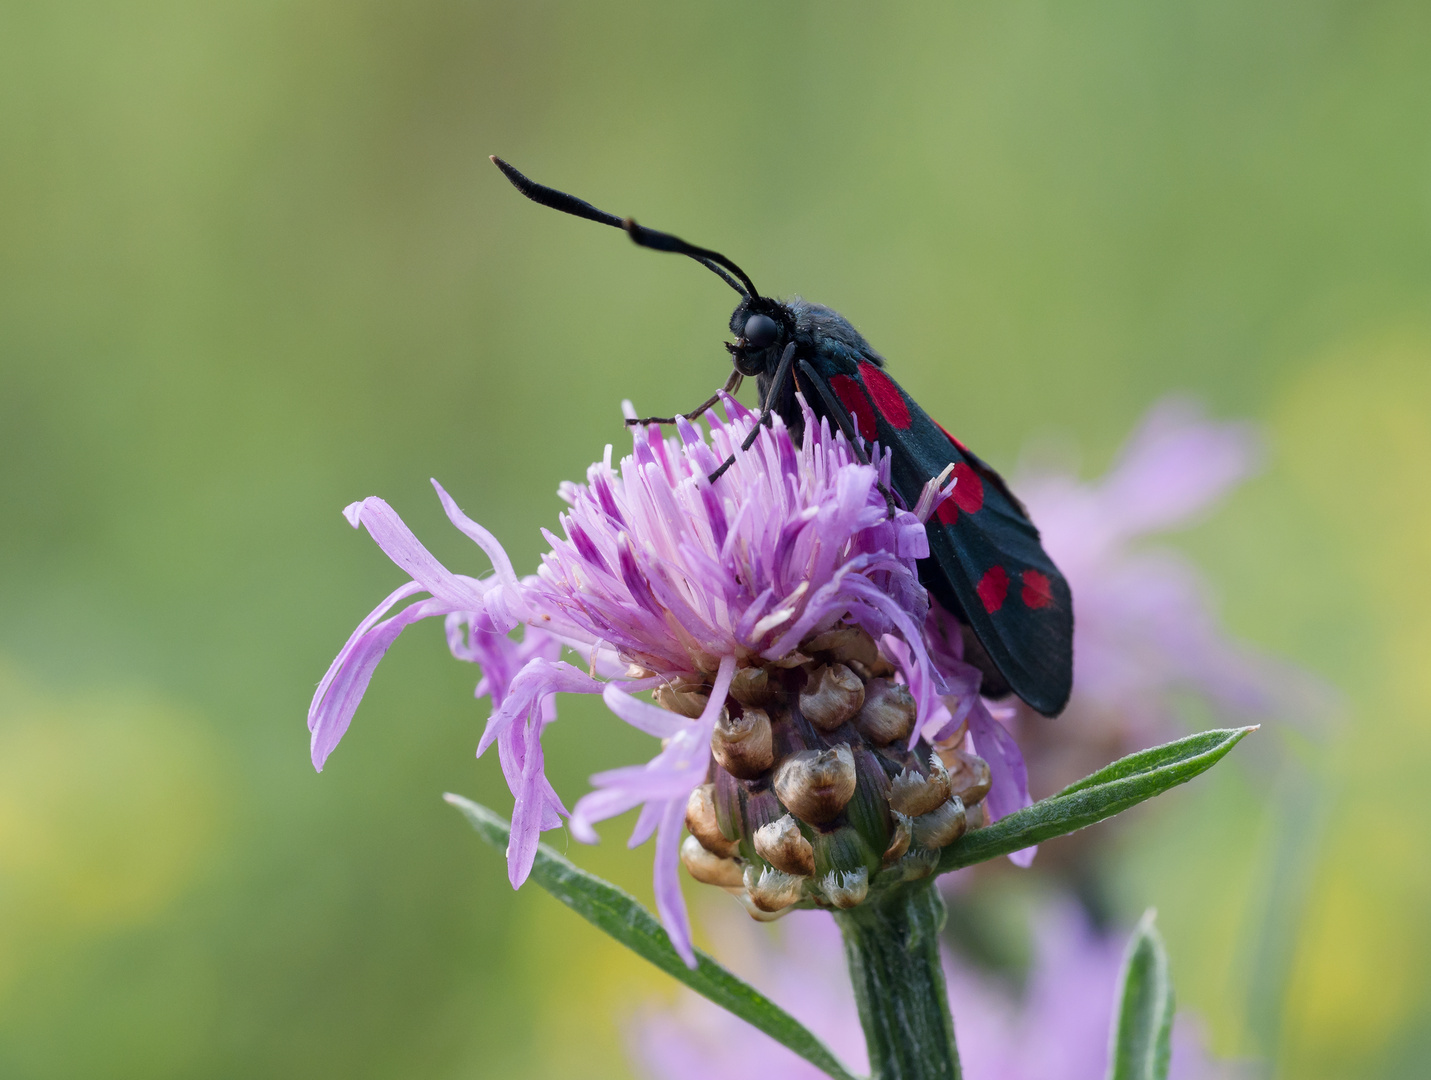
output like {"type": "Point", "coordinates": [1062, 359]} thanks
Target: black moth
{"type": "Point", "coordinates": [986, 564]}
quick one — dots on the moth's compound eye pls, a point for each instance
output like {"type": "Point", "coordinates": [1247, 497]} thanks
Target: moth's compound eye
{"type": "Point", "coordinates": [760, 332]}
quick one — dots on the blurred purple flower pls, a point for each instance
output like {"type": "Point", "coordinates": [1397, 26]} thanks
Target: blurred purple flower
{"type": "Point", "coordinates": [1056, 1029]}
{"type": "Point", "coordinates": [1146, 634]}
{"type": "Point", "coordinates": [1143, 622]}
{"type": "Point", "coordinates": [663, 577]}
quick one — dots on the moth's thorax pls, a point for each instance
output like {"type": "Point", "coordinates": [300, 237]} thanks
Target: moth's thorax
{"type": "Point", "coordinates": [811, 325]}
{"type": "Point", "coordinates": [817, 326]}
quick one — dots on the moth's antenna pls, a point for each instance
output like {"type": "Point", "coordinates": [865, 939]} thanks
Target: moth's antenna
{"type": "Point", "coordinates": [557, 200]}
{"type": "Point", "coordinates": [660, 241]}
{"type": "Point", "coordinates": [648, 238]}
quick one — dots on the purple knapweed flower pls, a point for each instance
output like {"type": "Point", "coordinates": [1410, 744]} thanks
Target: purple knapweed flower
{"type": "Point", "coordinates": [706, 594]}
{"type": "Point", "coordinates": [1143, 624]}
{"type": "Point", "coordinates": [1055, 1028]}
{"type": "Point", "coordinates": [1145, 630]}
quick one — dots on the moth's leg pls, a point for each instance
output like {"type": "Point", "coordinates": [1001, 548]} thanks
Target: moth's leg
{"type": "Point", "coordinates": [731, 386]}
{"type": "Point", "coordinates": [777, 384]}
{"type": "Point", "coordinates": [846, 424]}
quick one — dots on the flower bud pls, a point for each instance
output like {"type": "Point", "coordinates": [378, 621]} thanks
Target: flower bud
{"type": "Point", "coordinates": [742, 744]}
{"type": "Point", "coordinates": [707, 867]}
{"type": "Point", "coordinates": [771, 889]}
{"type": "Point", "coordinates": [702, 824]}
{"type": "Point", "coordinates": [844, 643]}
{"type": "Point", "coordinates": [899, 841]}
{"type": "Point", "coordinates": [683, 698]}
{"type": "Point", "coordinates": [919, 863]}
{"type": "Point", "coordinates": [841, 848]}
{"type": "Point", "coordinates": [784, 847]}
{"type": "Point", "coordinates": [852, 646]}
{"type": "Point", "coordinates": [942, 825]}
{"type": "Point", "coordinates": [845, 890]}
{"type": "Point", "coordinates": [914, 794]}
{"type": "Point", "coordinates": [815, 785]}
{"type": "Point", "coordinates": [754, 686]}
{"type": "Point", "coordinates": [888, 712]}
{"type": "Point", "coordinates": [969, 775]}
{"type": "Point", "coordinates": [758, 914]}
{"type": "Point", "coordinates": [832, 695]}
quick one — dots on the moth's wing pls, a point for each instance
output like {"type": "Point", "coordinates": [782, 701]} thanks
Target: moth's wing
{"type": "Point", "coordinates": [986, 553]}
{"type": "Point", "coordinates": [986, 564]}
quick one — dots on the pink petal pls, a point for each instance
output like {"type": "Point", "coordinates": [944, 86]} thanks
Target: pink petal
{"type": "Point", "coordinates": [539, 679]}
{"type": "Point", "coordinates": [402, 547]}
{"type": "Point", "coordinates": [329, 719]}
{"type": "Point", "coordinates": [642, 715]}
{"type": "Point", "coordinates": [670, 903]}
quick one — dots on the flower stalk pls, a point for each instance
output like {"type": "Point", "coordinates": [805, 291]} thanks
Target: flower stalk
{"type": "Point", "coordinates": [892, 947]}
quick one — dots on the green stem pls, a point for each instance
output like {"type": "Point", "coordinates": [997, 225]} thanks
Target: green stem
{"type": "Point", "coordinates": [892, 945]}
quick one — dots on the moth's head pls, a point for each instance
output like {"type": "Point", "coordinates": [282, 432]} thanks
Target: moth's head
{"type": "Point", "coordinates": [761, 327]}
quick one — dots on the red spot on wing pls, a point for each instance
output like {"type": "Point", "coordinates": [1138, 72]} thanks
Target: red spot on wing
{"type": "Point", "coordinates": [968, 495]}
{"type": "Point", "coordinates": [1036, 593]}
{"type": "Point", "coordinates": [968, 489]}
{"type": "Point", "coordinates": [852, 397]}
{"type": "Point", "coordinates": [993, 587]}
{"type": "Point", "coordinates": [887, 397]}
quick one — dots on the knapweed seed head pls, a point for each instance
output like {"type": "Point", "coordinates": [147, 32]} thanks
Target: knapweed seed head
{"type": "Point", "coordinates": [827, 814]}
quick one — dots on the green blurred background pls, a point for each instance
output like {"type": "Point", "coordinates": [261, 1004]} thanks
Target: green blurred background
{"type": "Point", "coordinates": [254, 264]}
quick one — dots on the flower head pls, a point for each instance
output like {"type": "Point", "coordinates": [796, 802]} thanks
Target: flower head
{"type": "Point", "coordinates": [763, 610]}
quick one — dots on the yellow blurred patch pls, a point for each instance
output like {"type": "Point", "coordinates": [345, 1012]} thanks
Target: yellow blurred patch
{"type": "Point", "coordinates": [1354, 434]}
{"type": "Point", "coordinates": [1358, 973]}
{"type": "Point", "coordinates": [109, 806]}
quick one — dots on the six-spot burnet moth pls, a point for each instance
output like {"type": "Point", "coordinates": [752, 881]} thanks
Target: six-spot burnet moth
{"type": "Point", "coordinates": [986, 564]}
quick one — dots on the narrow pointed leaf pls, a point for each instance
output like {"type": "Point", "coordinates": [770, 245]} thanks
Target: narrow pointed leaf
{"type": "Point", "coordinates": [619, 914]}
{"type": "Point", "coordinates": [1109, 791]}
{"type": "Point", "coordinates": [1140, 1044]}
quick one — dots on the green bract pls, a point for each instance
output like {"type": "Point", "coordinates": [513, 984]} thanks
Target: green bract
{"type": "Point", "coordinates": [1141, 1045]}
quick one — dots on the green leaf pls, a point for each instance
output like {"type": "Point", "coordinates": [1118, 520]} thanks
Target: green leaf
{"type": "Point", "coordinates": [1140, 1045]}
{"type": "Point", "coordinates": [619, 914]}
{"type": "Point", "coordinates": [1109, 791]}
